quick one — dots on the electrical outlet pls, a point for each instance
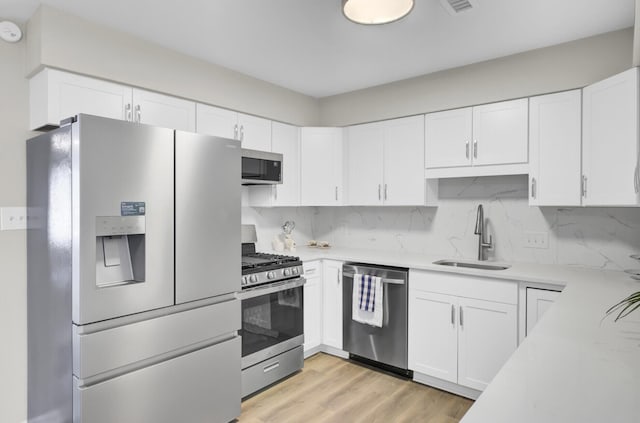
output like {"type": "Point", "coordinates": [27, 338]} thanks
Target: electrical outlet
{"type": "Point", "coordinates": [536, 240]}
{"type": "Point", "coordinates": [13, 218]}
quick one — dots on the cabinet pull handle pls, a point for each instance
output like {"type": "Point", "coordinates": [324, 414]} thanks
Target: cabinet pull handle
{"type": "Point", "coordinates": [235, 131]}
{"type": "Point", "coordinates": [636, 180]}
{"type": "Point", "coordinates": [475, 149]}
{"type": "Point", "coordinates": [533, 187]}
{"type": "Point", "coordinates": [461, 320]}
{"type": "Point", "coordinates": [466, 149]}
{"type": "Point", "coordinates": [138, 113]}
{"type": "Point", "coordinates": [336, 193]}
{"type": "Point", "coordinates": [127, 112]}
{"type": "Point", "coordinates": [310, 271]}
{"type": "Point", "coordinates": [584, 186]}
{"type": "Point", "coordinates": [241, 132]}
{"type": "Point", "coordinates": [379, 192]}
{"type": "Point", "coordinates": [385, 192]}
{"type": "Point", "coordinates": [453, 315]}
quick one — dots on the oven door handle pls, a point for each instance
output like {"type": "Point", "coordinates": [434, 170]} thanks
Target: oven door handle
{"type": "Point", "coordinates": [271, 288]}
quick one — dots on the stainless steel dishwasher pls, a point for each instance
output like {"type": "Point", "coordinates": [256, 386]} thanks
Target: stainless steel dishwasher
{"type": "Point", "coordinates": [385, 346]}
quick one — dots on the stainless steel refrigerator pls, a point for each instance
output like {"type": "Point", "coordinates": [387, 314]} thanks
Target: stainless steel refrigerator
{"type": "Point", "coordinates": [133, 261]}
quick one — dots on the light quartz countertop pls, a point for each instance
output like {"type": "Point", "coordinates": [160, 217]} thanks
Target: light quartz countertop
{"type": "Point", "coordinates": [575, 366]}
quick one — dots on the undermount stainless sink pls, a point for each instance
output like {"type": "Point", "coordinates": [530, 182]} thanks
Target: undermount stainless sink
{"type": "Point", "coordinates": [482, 266]}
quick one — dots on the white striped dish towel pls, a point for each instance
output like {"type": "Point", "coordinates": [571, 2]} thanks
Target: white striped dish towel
{"type": "Point", "coordinates": [367, 299]}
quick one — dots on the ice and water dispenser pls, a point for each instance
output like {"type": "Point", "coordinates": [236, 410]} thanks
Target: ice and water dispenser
{"type": "Point", "coordinates": [120, 250]}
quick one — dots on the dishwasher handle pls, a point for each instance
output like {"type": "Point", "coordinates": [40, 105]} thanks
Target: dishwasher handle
{"type": "Point", "coordinates": [384, 280]}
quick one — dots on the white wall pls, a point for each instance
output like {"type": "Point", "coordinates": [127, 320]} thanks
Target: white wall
{"type": "Point", "coordinates": [61, 40]}
{"type": "Point", "coordinates": [13, 303]}
{"type": "Point", "coordinates": [562, 67]}
{"type": "Point", "coordinates": [592, 237]}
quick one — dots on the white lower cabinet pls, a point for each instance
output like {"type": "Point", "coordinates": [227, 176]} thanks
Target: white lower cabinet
{"type": "Point", "coordinates": [312, 305]}
{"type": "Point", "coordinates": [462, 329]}
{"type": "Point", "coordinates": [332, 303]}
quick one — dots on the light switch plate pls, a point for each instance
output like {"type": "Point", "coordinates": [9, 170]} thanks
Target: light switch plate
{"type": "Point", "coordinates": [536, 240]}
{"type": "Point", "coordinates": [13, 218]}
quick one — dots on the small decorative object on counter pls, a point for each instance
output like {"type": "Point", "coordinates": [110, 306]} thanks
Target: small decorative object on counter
{"type": "Point", "coordinates": [287, 228]}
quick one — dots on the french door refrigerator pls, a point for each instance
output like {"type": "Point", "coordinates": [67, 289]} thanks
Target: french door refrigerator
{"type": "Point", "coordinates": [133, 261]}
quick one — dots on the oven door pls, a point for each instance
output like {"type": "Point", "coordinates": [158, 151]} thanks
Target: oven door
{"type": "Point", "coordinates": [272, 320]}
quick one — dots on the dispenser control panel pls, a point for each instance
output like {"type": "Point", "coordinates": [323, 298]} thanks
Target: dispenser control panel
{"type": "Point", "coordinates": [120, 225]}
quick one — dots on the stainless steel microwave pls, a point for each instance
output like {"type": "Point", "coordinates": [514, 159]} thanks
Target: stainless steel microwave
{"type": "Point", "coordinates": [261, 167]}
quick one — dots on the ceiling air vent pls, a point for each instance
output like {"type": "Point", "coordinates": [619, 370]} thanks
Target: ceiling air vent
{"type": "Point", "coordinates": [457, 6]}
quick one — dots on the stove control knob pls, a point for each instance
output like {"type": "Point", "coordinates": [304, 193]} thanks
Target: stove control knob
{"type": "Point", "coordinates": [271, 275]}
{"type": "Point", "coordinates": [253, 278]}
{"type": "Point", "coordinates": [295, 270]}
{"type": "Point", "coordinates": [244, 280]}
{"type": "Point", "coordinates": [287, 272]}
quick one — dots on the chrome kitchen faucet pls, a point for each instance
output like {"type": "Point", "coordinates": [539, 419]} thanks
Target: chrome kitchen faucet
{"type": "Point", "coordinates": [480, 231]}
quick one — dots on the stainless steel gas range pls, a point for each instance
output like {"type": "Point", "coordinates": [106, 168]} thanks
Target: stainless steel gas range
{"type": "Point", "coordinates": [272, 315]}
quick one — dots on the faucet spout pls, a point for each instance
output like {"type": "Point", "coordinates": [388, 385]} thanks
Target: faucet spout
{"type": "Point", "coordinates": [480, 231]}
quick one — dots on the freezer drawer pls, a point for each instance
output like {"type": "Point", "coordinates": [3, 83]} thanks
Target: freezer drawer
{"type": "Point", "coordinates": [106, 350]}
{"type": "Point", "coordinates": [202, 386]}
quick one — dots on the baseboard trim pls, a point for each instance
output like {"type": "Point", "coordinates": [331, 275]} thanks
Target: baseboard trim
{"type": "Point", "coordinates": [454, 388]}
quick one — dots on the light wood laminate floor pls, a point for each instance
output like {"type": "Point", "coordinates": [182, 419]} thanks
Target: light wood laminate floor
{"type": "Point", "coordinates": [331, 389]}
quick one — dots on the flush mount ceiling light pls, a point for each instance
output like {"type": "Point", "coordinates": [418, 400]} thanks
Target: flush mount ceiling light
{"type": "Point", "coordinates": [376, 12]}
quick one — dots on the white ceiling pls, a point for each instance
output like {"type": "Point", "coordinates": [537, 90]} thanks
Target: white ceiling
{"type": "Point", "coordinates": [309, 47]}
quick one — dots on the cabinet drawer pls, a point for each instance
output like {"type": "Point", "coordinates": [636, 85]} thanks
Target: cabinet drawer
{"type": "Point", "coordinates": [109, 349]}
{"type": "Point", "coordinates": [311, 268]}
{"type": "Point", "coordinates": [501, 291]}
{"type": "Point", "coordinates": [202, 386]}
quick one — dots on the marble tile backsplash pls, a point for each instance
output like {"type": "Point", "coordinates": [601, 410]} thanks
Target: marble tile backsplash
{"type": "Point", "coordinates": [593, 237]}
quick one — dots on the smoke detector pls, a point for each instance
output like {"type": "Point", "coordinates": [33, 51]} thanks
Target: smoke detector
{"type": "Point", "coordinates": [458, 6]}
{"type": "Point", "coordinates": [10, 32]}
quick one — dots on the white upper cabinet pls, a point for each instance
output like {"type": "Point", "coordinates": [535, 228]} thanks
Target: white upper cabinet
{"type": "Point", "coordinates": [500, 133]}
{"type": "Point", "coordinates": [385, 163]}
{"type": "Point", "coordinates": [162, 110]}
{"type": "Point", "coordinates": [364, 147]}
{"type": "Point", "coordinates": [491, 139]}
{"type": "Point", "coordinates": [610, 141]}
{"type": "Point", "coordinates": [254, 132]}
{"type": "Point", "coordinates": [286, 141]}
{"type": "Point", "coordinates": [216, 121]}
{"type": "Point", "coordinates": [404, 182]}
{"type": "Point", "coordinates": [321, 166]}
{"type": "Point", "coordinates": [448, 138]}
{"type": "Point", "coordinates": [55, 95]}
{"type": "Point", "coordinates": [555, 127]}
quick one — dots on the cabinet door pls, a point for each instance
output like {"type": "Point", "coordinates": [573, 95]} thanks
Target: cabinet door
{"type": "Point", "coordinates": [56, 95]}
{"type": "Point", "coordinates": [364, 168]}
{"type": "Point", "coordinates": [163, 110]}
{"type": "Point", "coordinates": [538, 302]}
{"type": "Point", "coordinates": [554, 143]}
{"type": "Point", "coordinates": [332, 303]}
{"type": "Point", "coordinates": [610, 141]}
{"type": "Point", "coordinates": [448, 138]}
{"type": "Point", "coordinates": [487, 336]}
{"type": "Point", "coordinates": [433, 335]}
{"type": "Point", "coordinates": [500, 133]}
{"type": "Point", "coordinates": [216, 121]}
{"type": "Point", "coordinates": [321, 167]}
{"type": "Point", "coordinates": [312, 305]}
{"type": "Point", "coordinates": [404, 183]}
{"type": "Point", "coordinates": [286, 141]}
{"type": "Point", "coordinates": [254, 132]}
